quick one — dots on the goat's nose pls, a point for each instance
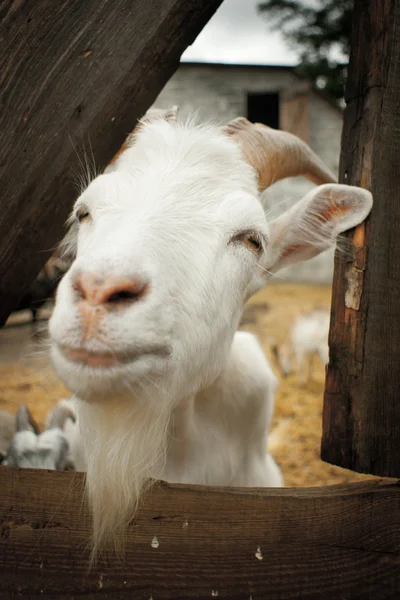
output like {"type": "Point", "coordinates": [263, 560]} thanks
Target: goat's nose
{"type": "Point", "coordinates": [112, 290]}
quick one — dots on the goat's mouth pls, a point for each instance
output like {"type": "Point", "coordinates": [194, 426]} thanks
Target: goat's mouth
{"type": "Point", "coordinates": [104, 360]}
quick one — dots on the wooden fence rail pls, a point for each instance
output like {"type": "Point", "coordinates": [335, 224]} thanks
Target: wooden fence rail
{"type": "Point", "coordinates": [194, 542]}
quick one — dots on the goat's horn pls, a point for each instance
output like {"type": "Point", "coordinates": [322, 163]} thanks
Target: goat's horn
{"type": "Point", "coordinates": [25, 421]}
{"type": "Point", "coordinates": [276, 154]}
{"type": "Point", "coordinates": [153, 114]}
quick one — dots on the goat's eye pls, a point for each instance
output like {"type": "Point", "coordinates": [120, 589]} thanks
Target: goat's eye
{"type": "Point", "coordinates": [251, 239]}
{"type": "Point", "coordinates": [82, 213]}
{"type": "Point", "coordinates": [253, 242]}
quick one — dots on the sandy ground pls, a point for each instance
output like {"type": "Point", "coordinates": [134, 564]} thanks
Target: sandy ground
{"type": "Point", "coordinates": [26, 377]}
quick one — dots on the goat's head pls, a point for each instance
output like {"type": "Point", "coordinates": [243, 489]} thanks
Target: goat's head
{"type": "Point", "coordinates": [172, 241]}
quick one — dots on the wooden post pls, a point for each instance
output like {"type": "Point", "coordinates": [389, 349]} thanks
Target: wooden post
{"type": "Point", "coordinates": [74, 78]}
{"type": "Point", "coordinates": [361, 420]}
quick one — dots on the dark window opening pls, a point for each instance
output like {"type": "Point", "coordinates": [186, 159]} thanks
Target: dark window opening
{"type": "Point", "coordinates": [263, 108]}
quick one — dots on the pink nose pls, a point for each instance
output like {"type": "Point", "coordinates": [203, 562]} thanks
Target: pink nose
{"type": "Point", "coordinates": [98, 291]}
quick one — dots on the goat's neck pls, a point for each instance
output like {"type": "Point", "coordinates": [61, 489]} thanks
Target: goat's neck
{"type": "Point", "coordinates": [219, 435]}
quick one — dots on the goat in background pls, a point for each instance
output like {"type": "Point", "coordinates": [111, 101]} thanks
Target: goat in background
{"type": "Point", "coordinates": [307, 337]}
{"type": "Point", "coordinates": [57, 447]}
{"type": "Point", "coordinates": [44, 286]}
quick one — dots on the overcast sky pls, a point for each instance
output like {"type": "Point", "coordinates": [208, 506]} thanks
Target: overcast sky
{"type": "Point", "coordinates": [237, 34]}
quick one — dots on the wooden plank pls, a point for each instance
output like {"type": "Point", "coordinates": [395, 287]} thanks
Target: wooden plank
{"type": "Point", "coordinates": [361, 419]}
{"type": "Point", "coordinates": [195, 542]}
{"type": "Point", "coordinates": [74, 78]}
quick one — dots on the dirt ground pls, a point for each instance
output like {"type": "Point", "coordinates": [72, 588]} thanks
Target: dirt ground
{"type": "Point", "coordinates": [26, 377]}
{"type": "Point", "coordinates": [297, 425]}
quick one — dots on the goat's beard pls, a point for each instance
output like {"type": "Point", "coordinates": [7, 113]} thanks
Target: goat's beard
{"type": "Point", "coordinates": [124, 447]}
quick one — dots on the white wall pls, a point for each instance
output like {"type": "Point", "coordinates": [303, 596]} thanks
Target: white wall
{"type": "Point", "coordinates": [220, 92]}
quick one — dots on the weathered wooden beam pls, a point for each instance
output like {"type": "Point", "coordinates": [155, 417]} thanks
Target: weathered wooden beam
{"type": "Point", "coordinates": [194, 542]}
{"type": "Point", "coordinates": [361, 420]}
{"type": "Point", "coordinates": [74, 78]}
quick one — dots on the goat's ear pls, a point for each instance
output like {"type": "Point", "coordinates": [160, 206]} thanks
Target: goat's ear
{"type": "Point", "coordinates": [58, 416]}
{"type": "Point", "coordinates": [313, 224]}
{"type": "Point", "coordinates": [153, 114]}
{"type": "Point", "coordinates": [25, 421]}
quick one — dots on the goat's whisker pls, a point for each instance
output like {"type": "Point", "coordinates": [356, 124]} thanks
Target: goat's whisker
{"type": "Point", "coordinates": [270, 273]}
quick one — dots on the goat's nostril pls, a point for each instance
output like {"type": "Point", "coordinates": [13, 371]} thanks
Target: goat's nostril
{"type": "Point", "coordinates": [122, 291]}
{"type": "Point", "coordinates": [123, 296]}
{"type": "Point", "coordinates": [110, 291]}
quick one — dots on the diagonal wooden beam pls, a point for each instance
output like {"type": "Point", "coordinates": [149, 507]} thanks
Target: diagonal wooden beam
{"type": "Point", "coordinates": [74, 78]}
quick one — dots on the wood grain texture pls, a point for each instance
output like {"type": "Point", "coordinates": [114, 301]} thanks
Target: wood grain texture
{"type": "Point", "coordinates": [361, 418]}
{"type": "Point", "coordinates": [317, 543]}
{"type": "Point", "coordinates": [74, 78]}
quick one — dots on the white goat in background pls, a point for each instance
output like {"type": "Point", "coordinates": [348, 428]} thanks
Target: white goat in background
{"type": "Point", "coordinates": [307, 336]}
{"type": "Point", "coordinates": [171, 241]}
{"type": "Point", "coordinates": [34, 449]}
{"type": "Point", "coordinates": [57, 447]}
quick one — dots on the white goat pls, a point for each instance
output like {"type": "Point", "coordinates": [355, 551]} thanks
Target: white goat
{"type": "Point", "coordinates": [307, 337]}
{"type": "Point", "coordinates": [30, 448]}
{"type": "Point", "coordinates": [170, 243]}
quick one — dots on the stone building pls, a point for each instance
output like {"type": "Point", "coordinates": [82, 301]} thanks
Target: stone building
{"type": "Point", "coordinates": [273, 95]}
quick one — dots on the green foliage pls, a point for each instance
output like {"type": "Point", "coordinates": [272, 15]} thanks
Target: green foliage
{"type": "Point", "coordinates": [321, 30]}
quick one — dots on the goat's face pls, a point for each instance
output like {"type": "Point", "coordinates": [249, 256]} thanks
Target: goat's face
{"type": "Point", "coordinates": [167, 251]}
{"type": "Point", "coordinates": [172, 240]}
